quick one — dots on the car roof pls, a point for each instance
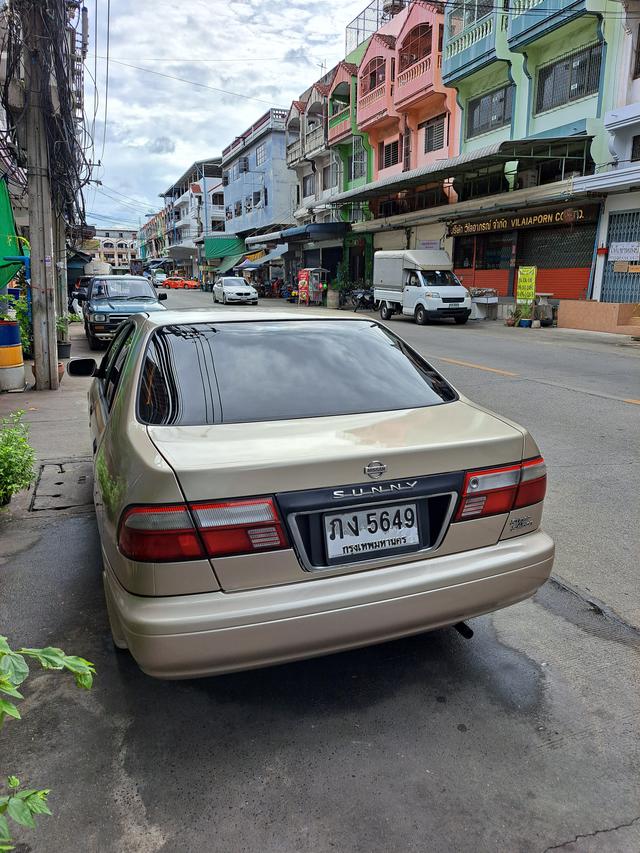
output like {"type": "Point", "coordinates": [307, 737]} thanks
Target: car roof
{"type": "Point", "coordinates": [119, 277]}
{"type": "Point", "coordinates": [208, 315]}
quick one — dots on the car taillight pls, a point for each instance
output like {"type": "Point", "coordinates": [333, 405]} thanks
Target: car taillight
{"type": "Point", "coordinates": [167, 534]}
{"type": "Point", "coordinates": [493, 491]}
{"type": "Point", "coordinates": [239, 527]}
{"type": "Point", "coordinates": [159, 534]}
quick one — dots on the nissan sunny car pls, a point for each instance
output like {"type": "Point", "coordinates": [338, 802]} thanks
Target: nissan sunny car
{"type": "Point", "coordinates": [270, 488]}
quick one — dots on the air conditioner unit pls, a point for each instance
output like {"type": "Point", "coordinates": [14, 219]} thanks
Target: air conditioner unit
{"type": "Point", "coordinates": [528, 179]}
{"type": "Point", "coordinates": [243, 164]}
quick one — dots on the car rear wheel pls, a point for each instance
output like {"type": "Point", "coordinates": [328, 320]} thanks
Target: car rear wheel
{"type": "Point", "coordinates": [461, 320]}
{"type": "Point", "coordinates": [224, 298]}
{"type": "Point", "coordinates": [386, 312]}
{"type": "Point", "coordinates": [421, 316]}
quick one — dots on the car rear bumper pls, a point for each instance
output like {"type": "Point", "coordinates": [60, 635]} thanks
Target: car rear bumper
{"type": "Point", "coordinates": [206, 634]}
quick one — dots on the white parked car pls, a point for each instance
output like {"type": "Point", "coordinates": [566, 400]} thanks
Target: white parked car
{"type": "Point", "coordinates": [234, 289]}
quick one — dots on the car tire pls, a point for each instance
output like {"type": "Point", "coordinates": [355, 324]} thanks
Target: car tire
{"type": "Point", "coordinates": [420, 316]}
{"type": "Point", "coordinates": [215, 299]}
{"type": "Point", "coordinates": [386, 313]}
{"type": "Point", "coordinates": [460, 321]}
{"type": "Point", "coordinates": [224, 298]}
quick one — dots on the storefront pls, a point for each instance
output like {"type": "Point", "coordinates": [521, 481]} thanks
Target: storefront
{"type": "Point", "coordinates": [358, 249]}
{"type": "Point", "coordinates": [559, 241]}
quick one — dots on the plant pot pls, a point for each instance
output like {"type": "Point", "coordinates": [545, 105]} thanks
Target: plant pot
{"type": "Point", "coordinates": [333, 299]}
{"type": "Point", "coordinates": [525, 324]}
{"type": "Point", "coordinates": [64, 349]}
{"type": "Point", "coordinates": [535, 324]}
{"type": "Point", "coordinates": [510, 321]}
{"type": "Point", "coordinates": [60, 370]}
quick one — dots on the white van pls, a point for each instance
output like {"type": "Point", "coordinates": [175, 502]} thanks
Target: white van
{"type": "Point", "coordinates": [419, 283]}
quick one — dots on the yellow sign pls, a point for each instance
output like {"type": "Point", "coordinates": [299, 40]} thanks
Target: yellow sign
{"type": "Point", "coordinates": [527, 284]}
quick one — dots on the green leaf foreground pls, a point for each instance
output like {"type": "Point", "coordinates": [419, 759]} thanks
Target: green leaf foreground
{"type": "Point", "coordinates": [21, 804]}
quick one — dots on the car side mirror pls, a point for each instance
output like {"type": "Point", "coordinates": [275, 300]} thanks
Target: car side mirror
{"type": "Point", "coordinates": [162, 297]}
{"type": "Point", "coordinates": [82, 367]}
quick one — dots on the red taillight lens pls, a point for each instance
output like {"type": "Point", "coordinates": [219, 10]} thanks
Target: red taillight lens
{"type": "Point", "coordinates": [167, 534]}
{"type": "Point", "coordinates": [533, 483]}
{"type": "Point", "coordinates": [493, 491]}
{"type": "Point", "coordinates": [239, 527]}
{"type": "Point", "coordinates": [159, 534]}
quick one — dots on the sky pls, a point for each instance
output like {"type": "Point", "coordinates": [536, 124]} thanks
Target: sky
{"type": "Point", "coordinates": [263, 52]}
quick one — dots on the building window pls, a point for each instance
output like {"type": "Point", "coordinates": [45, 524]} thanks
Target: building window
{"type": "Point", "coordinates": [465, 14]}
{"type": "Point", "coordinates": [237, 208]}
{"type": "Point", "coordinates": [217, 199]}
{"type": "Point", "coordinates": [373, 75]}
{"type": "Point", "coordinates": [248, 204]}
{"type": "Point", "coordinates": [265, 196]}
{"type": "Point", "coordinates": [416, 46]}
{"type": "Point", "coordinates": [388, 155]}
{"type": "Point", "coordinates": [406, 150]}
{"type": "Point", "coordinates": [434, 130]}
{"type": "Point", "coordinates": [261, 154]}
{"type": "Point", "coordinates": [636, 62]}
{"type": "Point", "coordinates": [635, 149]}
{"type": "Point", "coordinates": [569, 78]}
{"type": "Point", "coordinates": [308, 185]}
{"type": "Point", "coordinates": [256, 199]}
{"type": "Point", "coordinates": [330, 176]}
{"type": "Point", "coordinates": [357, 160]}
{"type": "Point", "coordinates": [489, 111]}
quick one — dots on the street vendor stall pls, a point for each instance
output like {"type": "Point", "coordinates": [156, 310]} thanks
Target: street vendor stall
{"type": "Point", "coordinates": [312, 283]}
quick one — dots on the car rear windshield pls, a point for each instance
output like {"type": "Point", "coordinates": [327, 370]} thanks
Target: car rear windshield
{"type": "Point", "coordinates": [241, 372]}
{"type": "Point", "coordinates": [124, 288]}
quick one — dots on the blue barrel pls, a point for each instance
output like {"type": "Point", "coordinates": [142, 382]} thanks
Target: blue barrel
{"type": "Point", "coordinates": [11, 361]}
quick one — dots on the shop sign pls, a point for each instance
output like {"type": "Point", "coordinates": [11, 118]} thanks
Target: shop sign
{"type": "Point", "coordinates": [541, 219]}
{"type": "Point", "coordinates": [624, 252]}
{"type": "Point", "coordinates": [429, 244]}
{"type": "Point", "coordinates": [527, 284]}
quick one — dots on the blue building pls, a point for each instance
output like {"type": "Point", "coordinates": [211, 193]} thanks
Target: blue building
{"type": "Point", "coordinates": [259, 188]}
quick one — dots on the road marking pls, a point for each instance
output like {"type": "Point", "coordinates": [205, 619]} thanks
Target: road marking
{"type": "Point", "coordinates": [635, 402]}
{"type": "Point", "coordinates": [476, 366]}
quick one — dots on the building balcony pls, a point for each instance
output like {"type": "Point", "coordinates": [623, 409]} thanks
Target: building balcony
{"type": "Point", "coordinates": [469, 50]}
{"type": "Point", "coordinates": [531, 19]}
{"type": "Point", "coordinates": [340, 125]}
{"type": "Point", "coordinates": [272, 120]}
{"type": "Point", "coordinates": [315, 141]}
{"type": "Point", "coordinates": [416, 81]}
{"type": "Point", "coordinates": [294, 152]}
{"type": "Point", "coordinates": [372, 106]}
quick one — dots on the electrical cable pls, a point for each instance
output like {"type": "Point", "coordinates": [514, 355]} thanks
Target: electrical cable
{"type": "Point", "coordinates": [106, 88]}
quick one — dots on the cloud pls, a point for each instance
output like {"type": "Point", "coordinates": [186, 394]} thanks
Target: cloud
{"type": "Point", "coordinates": [161, 145]}
{"type": "Point", "coordinates": [262, 49]}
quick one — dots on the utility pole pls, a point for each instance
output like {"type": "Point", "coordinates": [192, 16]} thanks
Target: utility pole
{"type": "Point", "coordinates": [43, 271]}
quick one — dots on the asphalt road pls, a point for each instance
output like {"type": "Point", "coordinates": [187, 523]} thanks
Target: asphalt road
{"type": "Point", "coordinates": [524, 738]}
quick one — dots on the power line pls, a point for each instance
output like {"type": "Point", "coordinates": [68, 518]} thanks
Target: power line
{"type": "Point", "coordinates": [189, 59]}
{"type": "Point", "coordinates": [193, 83]}
{"type": "Point", "coordinates": [139, 201]}
{"type": "Point", "coordinates": [106, 88]}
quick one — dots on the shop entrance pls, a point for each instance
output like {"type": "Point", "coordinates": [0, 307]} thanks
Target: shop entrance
{"type": "Point", "coordinates": [621, 285]}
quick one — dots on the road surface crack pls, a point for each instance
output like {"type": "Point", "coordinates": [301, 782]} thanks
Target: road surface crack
{"type": "Point", "coordinates": [592, 834]}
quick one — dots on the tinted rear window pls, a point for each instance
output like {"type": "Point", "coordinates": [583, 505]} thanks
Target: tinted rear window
{"type": "Point", "coordinates": [276, 370]}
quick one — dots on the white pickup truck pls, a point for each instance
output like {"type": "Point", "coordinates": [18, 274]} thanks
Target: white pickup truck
{"type": "Point", "coordinates": [419, 283]}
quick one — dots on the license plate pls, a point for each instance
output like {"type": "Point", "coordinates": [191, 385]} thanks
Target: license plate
{"type": "Point", "coordinates": [359, 533]}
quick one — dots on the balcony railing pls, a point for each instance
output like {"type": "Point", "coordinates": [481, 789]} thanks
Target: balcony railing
{"type": "Point", "coordinates": [314, 140]}
{"type": "Point", "coordinates": [417, 80]}
{"type": "Point", "coordinates": [480, 30]}
{"type": "Point", "coordinates": [531, 19]}
{"type": "Point", "coordinates": [340, 124]}
{"type": "Point", "coordinates": [294, 152]}
{"type": "Point", "coordinates": [337, 118]}
{"type": "Point", "coordinates": [519, 7]}
{"type": "Point", "coordinates": [371, 97]}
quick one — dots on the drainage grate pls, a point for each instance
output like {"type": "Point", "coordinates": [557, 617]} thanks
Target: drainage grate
{"type": "Point", "coordinates": [63, 485]}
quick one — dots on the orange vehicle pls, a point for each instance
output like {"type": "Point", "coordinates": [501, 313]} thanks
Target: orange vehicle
{"type": "Point", "coordinates": [191, 284]}
{"type": "Point", "coordinates": [173, 283]}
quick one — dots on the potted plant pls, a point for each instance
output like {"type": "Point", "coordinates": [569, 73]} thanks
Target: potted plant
{"type": "Point", "coordinates": [17, 457]}
{"type": "Point", "coordinates": [62, 331]}
{"type": "Point", "coordinates": [513, 318]}
{"type": "Point", "coordinates": [525, 316]}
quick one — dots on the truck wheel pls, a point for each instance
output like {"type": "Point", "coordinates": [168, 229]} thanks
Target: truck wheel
{"type": "Point", "coordinates": [420, 316]}
{"type": "Point", "coordinates": [386, 313]}
{"type": "Point", "coordinates": [461, 320]}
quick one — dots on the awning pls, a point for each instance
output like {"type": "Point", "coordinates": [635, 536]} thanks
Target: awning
{"type": "Point", "coordinates": [317, 231]}
{"type": "Point", "coordinates": [275, 255]}
{"type": "Point", "coordinates": [229, 263]}
{"type": "Point", "coordinates": [575, 149]}
{"type": "Point", "coordinates": [223, 246]}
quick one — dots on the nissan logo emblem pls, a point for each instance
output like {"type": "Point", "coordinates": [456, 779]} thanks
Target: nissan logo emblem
{"type": "Point", "coordinates": [375, 469]}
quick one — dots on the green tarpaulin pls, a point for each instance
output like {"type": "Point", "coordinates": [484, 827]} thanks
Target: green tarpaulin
{"type": "Point", "coordinates": [220, 247]}
{"type": "Point", "coordinates": [10, 246]}
{"type": "Point", "coordinates": [229, 263]}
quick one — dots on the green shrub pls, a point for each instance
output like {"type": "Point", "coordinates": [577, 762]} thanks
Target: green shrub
{"type": "Point", "coordinates": [21, 804]}
{"type": "Point", "coordinates": [17, 457]}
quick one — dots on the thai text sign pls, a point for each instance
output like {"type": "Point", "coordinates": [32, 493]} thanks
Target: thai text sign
{"type": "Point", "coordinates": [624, 252]}
{"type": "Point", "coordinates": [527, 284]}
{"type": "Point", "coordinates": [540, 219]}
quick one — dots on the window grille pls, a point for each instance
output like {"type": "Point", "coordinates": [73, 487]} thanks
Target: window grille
{"type": "Point", "coordinates": [373, 75]}
{"type": "Point", "coordinates": [569, 78]}
{"type": "Point", "coordinates": [416, 46]}
{"type": "Point", "coordinates": [358, 159]}
{"type": "Point", "coordinates": [489, 111]}
{"type": "Point", "coordinates": [635, 149]}
{"type": "Point", "coordinates": [261, 154]}
{"type": "Point", "coordinates": [308, 185]}
{"type": "Point", "coordinates": [434, 132]}
{"type": "Point", "coordinates": [388, 155]}
{"type": "Point", "coordinates": [636, 64]}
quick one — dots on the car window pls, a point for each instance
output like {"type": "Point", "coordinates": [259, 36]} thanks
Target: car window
{"type": "Point", "coordinates": [440, 278]}
{"type": "Point", "coordinates": [122, 288]}
{"type": "Point", "coordinates": [113, 362]}
{"type": "Point", "coordinates": [275, 370]}
{"type": "Point", "coordinates": [234, 282]}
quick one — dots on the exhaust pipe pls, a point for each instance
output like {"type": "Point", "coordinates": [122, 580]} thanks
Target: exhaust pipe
{"type": "Point", "coordinates": [464, 629]}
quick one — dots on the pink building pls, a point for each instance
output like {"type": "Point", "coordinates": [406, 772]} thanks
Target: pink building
{"type": "Point", "coordinates": [410, 117]}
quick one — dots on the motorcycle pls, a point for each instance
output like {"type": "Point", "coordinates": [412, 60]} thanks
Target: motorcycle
{"type": "Point", "coordinates": [363, 299]}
